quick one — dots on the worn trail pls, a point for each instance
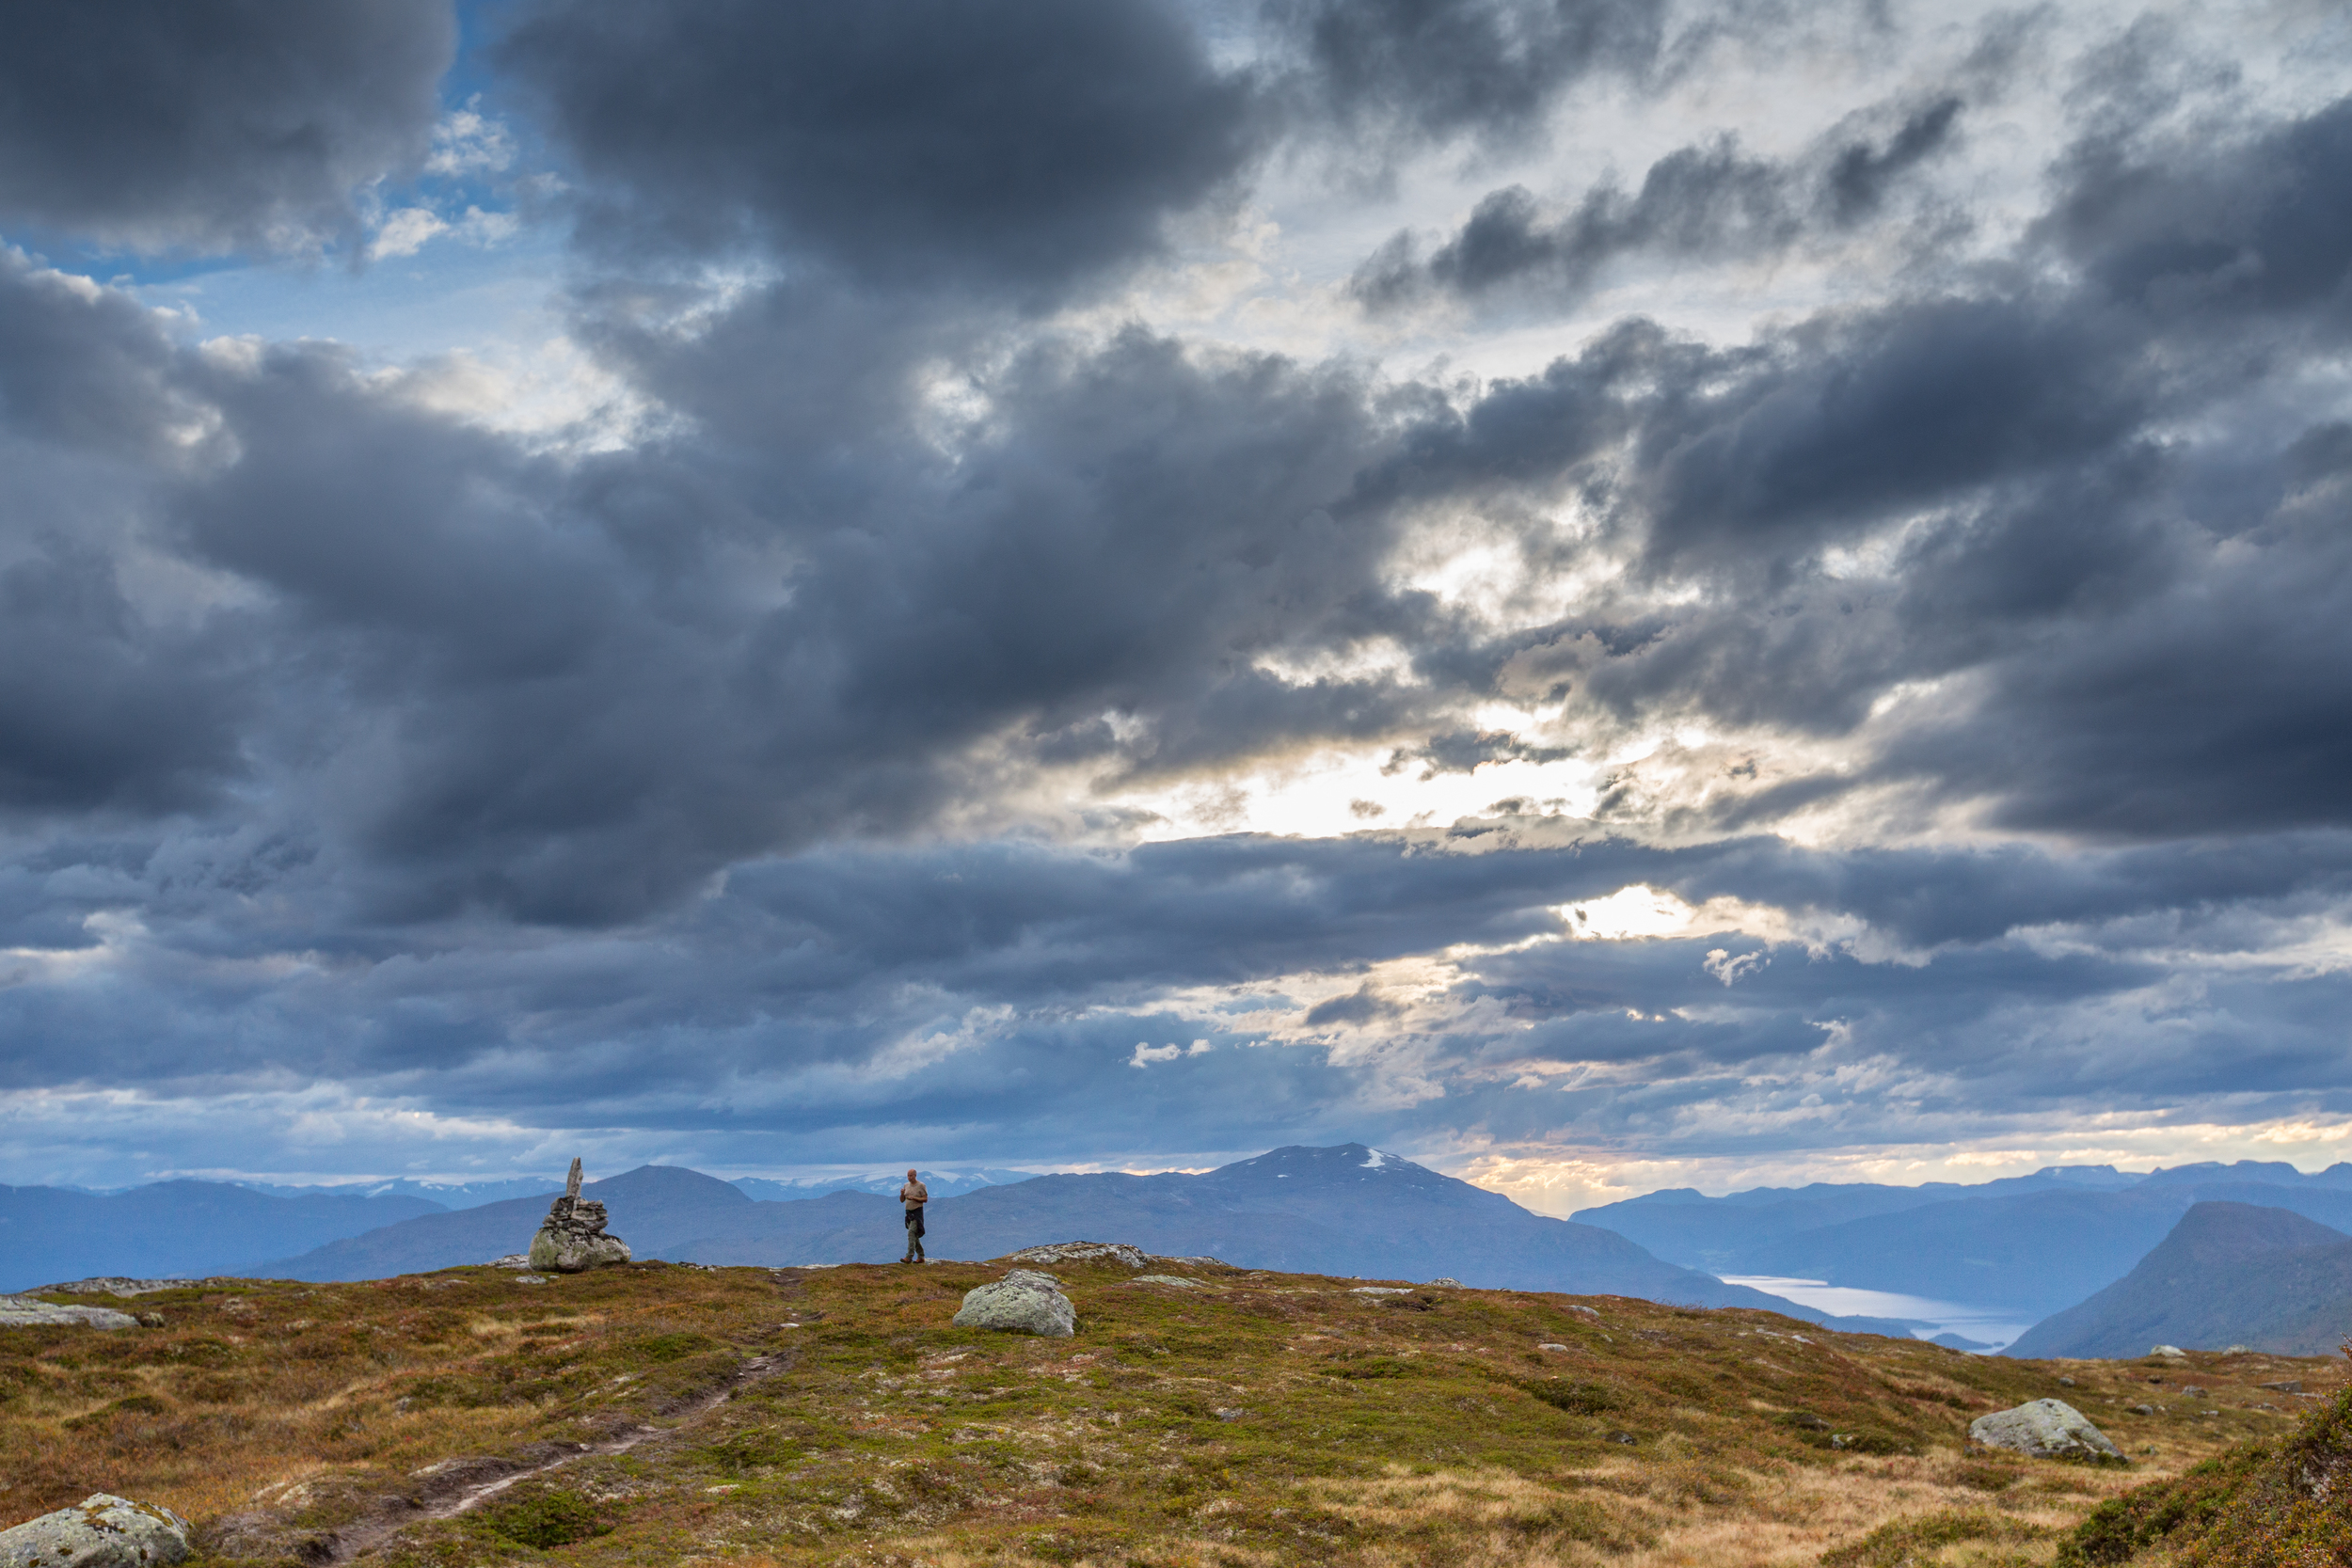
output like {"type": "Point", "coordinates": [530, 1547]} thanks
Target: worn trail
{"type": "Point", "coordinates": [455, 1486]}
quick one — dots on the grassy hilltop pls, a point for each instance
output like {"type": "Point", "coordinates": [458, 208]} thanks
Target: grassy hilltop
{"type": "Point", "coordinates": [754, 1416]}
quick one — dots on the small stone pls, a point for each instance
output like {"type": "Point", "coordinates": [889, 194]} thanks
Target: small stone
{"type": "Point", "coordinates": [2238, 1350]}
{"type": "Point", "coordinates": [1176, 1279]}
{"type": "Point", "coordinates": [2166, 1350]}
{"type": "Point", "coordinates": [1023, 1301]}
{"type": "Point", "coordinates": [2143, 1410]}
{"type": "Point", "coordinates": [2285, 1386]}
{"type": "Point", "coordinates": [2066, 1383]}
{"type": "Point", "coordinates": [101, 1531]}
{"type": "Point", "coordinates": [2191, 1391]}
{"type": "Point", "coordinates": [1551, 1347]}
{"type": "Point", "coordinates": [1623, 1437]}
{"type": "Point", "coordinates": [1234, 1413]}
{"type": "Point", "coordinates": [1454, 1283]}
{"type": "Point", "coordinates": [2043, 1428]}
{"type": "Point", "coordinates": [150, 1319]}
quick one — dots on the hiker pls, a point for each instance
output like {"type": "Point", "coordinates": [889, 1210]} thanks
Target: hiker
{"type": "Point", "coordinates": [914, 1195]}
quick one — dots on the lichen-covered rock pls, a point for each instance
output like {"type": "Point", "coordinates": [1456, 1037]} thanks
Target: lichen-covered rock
{"type": "Point", "coordinates": [563, 1249]}
{"type": "Point", "coordinates": [2043, 1429]}
{"type": "Point", "coordinates": [1176, 1279]}
{"type": "Point", "coordinates": [1023, 1301]}
{"type": "Point", "coordinates": [25, 1312]}
{"type": "Point", "coordinates": [100, 1532]}
{"type": "Point", "coordinates": [1079, 1252]}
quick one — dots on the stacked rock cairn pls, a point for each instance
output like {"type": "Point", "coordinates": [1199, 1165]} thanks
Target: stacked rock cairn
{"type": "Point", "coordinates": [572, 1238]}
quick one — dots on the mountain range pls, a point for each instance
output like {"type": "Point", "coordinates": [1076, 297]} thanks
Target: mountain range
{"type": "Point", "coordinates": [173, 1227]}
{"type": "Point", "coordinates": [2108, 1261]}
{"type": "Point", "coordinates": [2033, 1244]}
{"type": "Point", "coordinates": [1350, 1210]}
{"type": "Point", "coordinates": [2228, 1274]}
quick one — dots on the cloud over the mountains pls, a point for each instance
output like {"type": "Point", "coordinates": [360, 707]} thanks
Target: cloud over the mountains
{"type": "Point", "coordinates": [1919, 703]}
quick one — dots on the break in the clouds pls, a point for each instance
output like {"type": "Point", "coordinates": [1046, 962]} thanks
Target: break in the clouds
{"type": "Point", "coordinates": [1595, 591]}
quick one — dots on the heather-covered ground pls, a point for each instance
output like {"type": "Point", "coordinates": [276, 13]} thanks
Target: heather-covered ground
{"type": "Point", "coordinates": [661, 1414]}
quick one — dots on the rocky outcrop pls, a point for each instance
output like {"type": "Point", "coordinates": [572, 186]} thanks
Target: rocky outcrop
{"type": "Point", "coordinates": [2043, 1429]}
{"type": "Point", "coordinates": [100, 1532]}
{"type": "Point", "coordinates": [1081, 1252]}
{"type": "Point", "coordinates": [25, 1312]}
{"type": "Point", "coordinates": [571, 1239]}
{"type": "Point", "coordinates": [1023, 1301]}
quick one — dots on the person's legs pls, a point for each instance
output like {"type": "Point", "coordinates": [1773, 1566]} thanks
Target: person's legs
{"type": "Point", "coordinates": [914, 1218]}
{"type": "Point", "coordinates": [915, 1232]}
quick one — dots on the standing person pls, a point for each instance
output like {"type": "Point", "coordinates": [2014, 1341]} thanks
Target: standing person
{"type": "Point", "coordinates": [914, 1195]}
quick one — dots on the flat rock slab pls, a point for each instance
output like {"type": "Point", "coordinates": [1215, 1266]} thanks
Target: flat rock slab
{"type": "Point", "coordinates": [1079, 1252]}
{"type": "Point", "coordinates": [1176, 1279]}
{"type": "Point", "coordinates": [116, 1285]}
{"type": "Point", "coordinates": [2043, 1429]}
{"type": "Point", "coordinates": [1023, 1301]}
{"type": "Point", "coordinates": [100, 1532]}
{"type": "Point", "coordinates": [25, 1312]}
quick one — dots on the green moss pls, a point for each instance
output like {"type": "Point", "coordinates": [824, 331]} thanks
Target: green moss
{"type": "Point", "coordinates": [553, 1518]}
{"type": "Point", "coordinates": [1578, 1398]}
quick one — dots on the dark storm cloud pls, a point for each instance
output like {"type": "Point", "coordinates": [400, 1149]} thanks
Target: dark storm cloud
{"type": "Point", "coordinates": [580, 692]}
{"type": "Point", "coordinates": [2260, 223]}
{"type": "Point", "coordinates": [910, 141]}
{"type": "Point", "coordinates": [1710, 201]}
{"type": "Point", "coordinates": [99, 712]}
{"type": "Point", "coordinates": [101, 708]}
{"type": "Point", "coordinates": [212, 123]}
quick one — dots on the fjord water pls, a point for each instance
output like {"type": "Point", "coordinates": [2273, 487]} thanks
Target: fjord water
{"type": "Point", "coordinates": [1995, 1326]}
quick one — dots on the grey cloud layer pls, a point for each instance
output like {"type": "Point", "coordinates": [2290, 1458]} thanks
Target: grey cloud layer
{"type": "Point", "coordinates": [918, 141]}
{"type": "Point", "coordinates": [1707, 202]}
{"type": "Point", "coordinates": [213, 123]}
{"type": "Point", "coordinates": [376, 748]}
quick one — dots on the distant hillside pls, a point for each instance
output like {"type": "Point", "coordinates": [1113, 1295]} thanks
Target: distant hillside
{"type": "Point", "coordinates": [2228, 1274]}
{"type": "Point", "coordinates": [447, 1195]}
{"type": "Point", "coordinates": [648, 1205]}
{"type": "Point", "coordinates": [1344, 1210]}
{"type": "Point", "coordinates": [1685, 1225]}
{"type": "Point", "coordinates": [942, 1183]}
{"type": "Point", "coordinates": [2034, 1245]}
{"type": "Point", "coordinates": [52, 1234]}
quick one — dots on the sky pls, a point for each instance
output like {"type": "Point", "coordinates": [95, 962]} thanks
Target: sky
{"type": "Point", "coordinates": [1601, 595]}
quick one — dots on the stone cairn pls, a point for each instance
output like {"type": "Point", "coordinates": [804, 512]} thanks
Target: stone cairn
{"type": "Point", "coordinates": [572, 1238]}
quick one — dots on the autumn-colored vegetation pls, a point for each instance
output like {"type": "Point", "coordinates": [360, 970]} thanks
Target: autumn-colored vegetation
{"type": "Point", "coordinates": [659, 1414]}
